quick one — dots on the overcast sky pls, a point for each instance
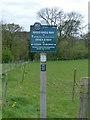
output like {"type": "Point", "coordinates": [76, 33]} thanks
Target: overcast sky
{"type": "Point", "coordinates": [24, 12]}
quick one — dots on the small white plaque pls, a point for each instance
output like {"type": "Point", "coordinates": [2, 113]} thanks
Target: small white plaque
{"type": "Point", "coordinates": [43, 58]}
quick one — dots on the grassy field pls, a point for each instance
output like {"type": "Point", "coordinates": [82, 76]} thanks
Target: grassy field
{"type": "Point", "coordinates": [0, 91]}
{"type": "Point", "coordinates": [23, 98]}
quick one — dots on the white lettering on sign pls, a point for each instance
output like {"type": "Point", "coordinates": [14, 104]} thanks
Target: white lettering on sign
{"type": "Point", "coordinates": [43, 32]}
{"type": "Point", "coordinates": [51, 32]}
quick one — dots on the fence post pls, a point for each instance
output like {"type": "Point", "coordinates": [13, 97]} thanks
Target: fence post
{"type": "Point", "coordinates": [74, 84]}
{"type": "Point", "coordinates": [0, 93]}
{"type": "Point", "coordinates": [23, 72]}
{"type": "Point", "coordinates": [84, 98]}
{"type": "Point", "coordinates": [5, 90]}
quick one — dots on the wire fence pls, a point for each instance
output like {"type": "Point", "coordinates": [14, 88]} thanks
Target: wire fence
{"type": "Point", "coordinates": [12, 65]}
{"type": "Point", "coordinates": [68, 90]}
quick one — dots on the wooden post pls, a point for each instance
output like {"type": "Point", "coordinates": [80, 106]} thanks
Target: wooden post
{"type": "Point", "coordinates": [74, 83]}
{"type": "Point", "coordinates": [43, 85]}
{"type": "Point", "coordinates": [5, 90]}
{"type": "Point", "coordinates": [9, 65]}
{"type": "Point", "coordinates": [89, 55]}
{"type": "Point", "coordinates": [23, 72]}
{"type": "Point", "coordinates": [84, 98]}
{"type": "Point", "coordinates": [0, 71]}
{"type": "Point", "coordinates": [88, 17]}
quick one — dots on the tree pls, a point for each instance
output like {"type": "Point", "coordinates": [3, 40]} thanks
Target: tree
{"type": "Point", "coordinates": [72, 24]}
{"type": "Point", "coordinates": [86, 39]}
{"type": "Point", "coordinates": [49, 16]}
{"type": "Point", "coordinates": [9, 33]}
{"type": "Point", "coordinates": [69, 24]}
{"type": "Point", "coordinates": [15, 40]}
{"type": "Point", "coordinates": [11, 27]}
{"type": "Point", "coordinates": [6, 55]}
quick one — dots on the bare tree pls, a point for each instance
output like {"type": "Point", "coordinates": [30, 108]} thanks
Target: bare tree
{"type": "Point", "coordinates": [73, 24]}
{"type": "Point", "coordinates": [49, 16]}
{"type": "Point", "coordinates": [69, 24]}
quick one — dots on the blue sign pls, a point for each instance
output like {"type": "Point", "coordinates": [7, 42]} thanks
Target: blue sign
{"type": "Point", "coordinates": [43, 38]}
{"type": "Point", "coordinates": [43, 67]}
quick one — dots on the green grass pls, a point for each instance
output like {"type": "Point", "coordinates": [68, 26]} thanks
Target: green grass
{"type": "Point", "coordinates": [0, 91]}
{"type": "Point", "coordinates": [26, 94]}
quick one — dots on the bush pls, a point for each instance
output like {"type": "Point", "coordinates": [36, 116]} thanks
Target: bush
{"type": "Point", "coordinates": [37, 56]}
{"type": "Point", "coordinates": [6, 55]}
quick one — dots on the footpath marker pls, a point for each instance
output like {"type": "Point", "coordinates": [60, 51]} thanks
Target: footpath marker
{"type": "Point", "coordinates": [42, 40]}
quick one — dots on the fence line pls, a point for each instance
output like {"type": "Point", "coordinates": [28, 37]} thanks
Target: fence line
{"type": "Point", "coordinates": [76, 89]}
{"type": "Point", "coordinates": [6, 68]}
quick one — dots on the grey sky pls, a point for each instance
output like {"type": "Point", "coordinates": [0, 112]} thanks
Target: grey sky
{"type": "Point", "coordinates": [24, 12]}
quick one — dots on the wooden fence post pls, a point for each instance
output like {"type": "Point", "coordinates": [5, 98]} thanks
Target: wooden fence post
{"type": "Point", "coordinates": [23, 72]}
{"type": "Point", "coordinates": [74, 84]}
{"type": "Point", "coordinates": [5, 90]}
{"type": "Point", "coordinates": [84, 98]}
{"type": "Point", "coordinates": [0, 92]}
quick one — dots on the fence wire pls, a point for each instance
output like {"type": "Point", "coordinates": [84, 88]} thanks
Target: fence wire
{"type": "Point", "coordinates": [67, 87]}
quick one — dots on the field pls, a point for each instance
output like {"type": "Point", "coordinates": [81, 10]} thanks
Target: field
{"type": "Point", "coordinates": [23, 97]}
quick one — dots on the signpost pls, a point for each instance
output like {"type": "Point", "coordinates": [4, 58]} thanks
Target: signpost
{"type": "Point", "coordinates": [43, 85]}
{"type": "Point", "coordinates": [43, 39]}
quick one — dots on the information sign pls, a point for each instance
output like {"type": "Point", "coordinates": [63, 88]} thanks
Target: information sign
{"type": "Point", "coordinates": [43, 38]}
